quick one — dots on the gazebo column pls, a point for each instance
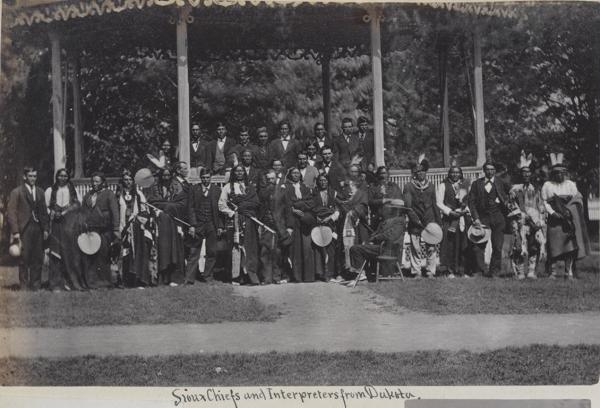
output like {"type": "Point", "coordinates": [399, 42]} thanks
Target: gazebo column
{"type": "Point", "coordinates": [478, 79]}
{"type": "Point", "coordinates": [60, 156]}
{"type": "Point", "coordinates": [326, 81]}
{"type": "Point", "coordinates": [183, 86]}
{"type": "Point", "coordinates": [77, 127]}
{"type": "Point", "coordinates": [375, 14]}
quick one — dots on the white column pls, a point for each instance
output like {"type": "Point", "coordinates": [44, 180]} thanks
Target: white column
{"type": "Point", "coordinates": [60, 155]}
{"type": "Point", "coordinates": [78, 129]}
{"type": "Point", "coordinates": [478, 79]}
{"type": "Point", "coordinates": [183, 87]}
{"type": "Point", "coordinates": [375, 14]}
{"type": "Point", "coordinates": [326, 82]}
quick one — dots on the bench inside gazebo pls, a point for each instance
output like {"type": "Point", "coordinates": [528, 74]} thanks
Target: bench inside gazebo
{"type": "Point", "coordinates": [221, 30]}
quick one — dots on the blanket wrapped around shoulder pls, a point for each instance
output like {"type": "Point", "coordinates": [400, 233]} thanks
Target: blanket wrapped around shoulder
{"type": "Point", "coordinates": [569, 233]}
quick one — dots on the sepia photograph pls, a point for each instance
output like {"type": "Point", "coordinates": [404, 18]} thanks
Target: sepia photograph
{"type": "Point", "coordinates": [245, 193]}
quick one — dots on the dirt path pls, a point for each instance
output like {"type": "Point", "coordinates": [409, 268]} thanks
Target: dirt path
{"type": "Point", "coordinates": [318, 316]}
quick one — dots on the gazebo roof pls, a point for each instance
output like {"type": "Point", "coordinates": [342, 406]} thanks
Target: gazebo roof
{"type": "Point", "coordinates": [29, 12]}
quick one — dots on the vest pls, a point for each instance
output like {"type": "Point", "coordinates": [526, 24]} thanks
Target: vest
{"type": "Point", "coordinates": [490, 200]}
{"type": "Point", "coordinates": [203, 209]}
{"type": "Point", "coordinates": [219, 157]}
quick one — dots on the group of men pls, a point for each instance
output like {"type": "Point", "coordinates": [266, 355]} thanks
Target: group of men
{"type": "Point", "coordinates": [302, 211]}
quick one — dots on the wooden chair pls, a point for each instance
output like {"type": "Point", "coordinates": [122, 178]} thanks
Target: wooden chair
{"type": "Point", "coordinates": [386, 255]}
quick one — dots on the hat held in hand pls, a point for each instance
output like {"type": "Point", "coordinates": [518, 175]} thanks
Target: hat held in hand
{"type": "Point", "coordinates": [478, 234]}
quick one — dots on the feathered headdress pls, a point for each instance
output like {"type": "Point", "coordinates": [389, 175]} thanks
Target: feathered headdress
{"type": "Point", "coordinates": [454, 162]}
{"type": "Point", "coordinates": [525, 160]}
{"type": "Point", "coordinates": [556, 160]}
{"type": "Point", "coordinates": [422, 163]}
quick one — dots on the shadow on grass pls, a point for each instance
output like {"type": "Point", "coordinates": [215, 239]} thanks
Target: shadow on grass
{"type": "Point", "coordinates": [536, 364]}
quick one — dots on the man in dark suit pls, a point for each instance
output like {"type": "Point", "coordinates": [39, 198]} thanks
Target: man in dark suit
{"type": "Point", "coordinates": [197, 150]}
{"type": "Point", "coordinates": [335, 171]}
{"type": "Point", "coordinates": [100, 210]}
{"type": "Point", "coordinates": [217, 151]}
{"type": "Point", "coordinates": [253, 174]}
{"type": "Point", "coordinates": [326, 213]}
{"type": "Point", "coordinates": [309, 173]}
{"type": "Point", "coordinates": [285, 148]}
{"type": "Point", "coordinates": [261, 156]}
{"type": "Point", "coordinates": [366, 142]}
{"type": "Point", "coordinates": [391, 231]}
{"type": "Point", "coordinates": [488, 199]}
{"type": "Point", "coordinates": [206, 225]}
{"type": "Point", "coordinates": [345, 145]}
{"type": "Point", "coordinates": [243, 143]}
{"type": "Point", "coordinates": [321, 138]}
{"type": "Point", "coordinates": [275, 213]}
{"type": "Point", "coordinates": [28, 220]}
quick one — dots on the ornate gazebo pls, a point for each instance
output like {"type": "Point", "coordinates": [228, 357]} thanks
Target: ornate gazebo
{"type": "Point", "coordinates": [227, 29]}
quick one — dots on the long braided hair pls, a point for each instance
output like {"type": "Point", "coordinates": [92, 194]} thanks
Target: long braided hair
{"type": "Point", "coordinates": [55, 187]}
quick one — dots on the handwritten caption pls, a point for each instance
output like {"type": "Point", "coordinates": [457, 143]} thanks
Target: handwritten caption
{"type": "Point", "coordinates": [184, 397]}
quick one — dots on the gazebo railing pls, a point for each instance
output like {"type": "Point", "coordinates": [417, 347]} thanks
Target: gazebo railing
{"type": "Point", "coordinates": [436, 176]}
{"type": "Point", "coordinates": [400, 177]}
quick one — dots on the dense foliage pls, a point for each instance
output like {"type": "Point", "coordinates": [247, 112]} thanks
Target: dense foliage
{"type": "Point", "coordinates": [541, 77]}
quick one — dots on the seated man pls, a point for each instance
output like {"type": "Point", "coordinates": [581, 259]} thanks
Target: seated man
{"type": "Point", "coordinates": [390, 231]}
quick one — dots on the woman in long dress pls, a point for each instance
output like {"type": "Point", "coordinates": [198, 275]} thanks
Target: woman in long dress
{"type": "Point", "coordinates": [567, 236]}
{"type": "Point", "coordinates": [135, 248]}
{"type": "Point", "coordinates": [63, 202]}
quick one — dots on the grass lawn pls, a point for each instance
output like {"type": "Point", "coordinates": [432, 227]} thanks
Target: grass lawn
{"type": "Point", "coordinates": [200, 303]}
{"type": "Point", "coordinates": [525, 366]}
{"type": "Point", "coordinates": [499, 296]}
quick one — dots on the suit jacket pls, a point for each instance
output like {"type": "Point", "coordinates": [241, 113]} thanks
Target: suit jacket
{"type": "Point", "coordinates": [336, 175]}
{"type": "Point", "coordinates": [238, 149]}
{"type": "Point", "coordinates": [328, 142]}
{"type": "Point", "coordinates": [214, 192]}
{"type": "Point", "coordinates": [105, 213]}
{"type": "Point", "coordinates": [211, 148]}
{"type": "Point", "coordinates": [390, 230]}
{"type": "Point", "coordinates": [477, 196]}
{"type": "Point", "coordinates": [198, 156]}
{"type": "Point", "coordinates": [255, 176]}
{"type": "Point", "coordinates": [376, 197]}
{"type": "Point", "coordinates": [275, 210]}
{"type": "Point", "coordinates": [322, 210]}
{"type": "Point", "coordinates": [310, 177]}
{"type": "Point", "coordinates": [21, 209]}
{"type": "Point", "coordinates": [289, 156]}
{"type": "Point", "coordinates": [261, 157]}
{"type": "Point", "coordinates": [366, 148]}
{"type": "Point", "coordinates": [343, 150]}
